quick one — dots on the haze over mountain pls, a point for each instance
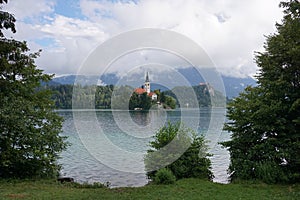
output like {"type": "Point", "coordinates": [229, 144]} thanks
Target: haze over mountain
{"type": "Point", "coordinates": [233, 86]}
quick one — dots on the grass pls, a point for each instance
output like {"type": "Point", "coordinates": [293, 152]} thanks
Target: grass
{"type": "Point", "coordinates": [183, 189]}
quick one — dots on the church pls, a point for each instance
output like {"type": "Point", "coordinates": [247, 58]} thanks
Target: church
{"type": "Point", "coordinates": [146, 88]}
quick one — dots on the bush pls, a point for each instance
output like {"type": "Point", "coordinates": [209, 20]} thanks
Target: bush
{"type": "Point", "coordinates": [87, 185]}
{"type": "Point", "coordinates": [270, 172]}
{"type": "Point", "coordinates": [164, 176]}
{"type": "Point", "coordinates": [185, 155]}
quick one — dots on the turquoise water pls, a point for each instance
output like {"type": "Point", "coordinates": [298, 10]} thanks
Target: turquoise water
{"type": "Point", "coordinates": [109, 145]}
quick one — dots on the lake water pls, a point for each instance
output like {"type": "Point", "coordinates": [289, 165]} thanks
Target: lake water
{"type": "Point", "coordinates": [108, 146]}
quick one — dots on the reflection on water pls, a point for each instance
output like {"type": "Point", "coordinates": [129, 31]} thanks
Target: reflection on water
{"type": "Point", "coordinates": [142, 118]}
{"type": "Point", "coordinates": [131, 132]}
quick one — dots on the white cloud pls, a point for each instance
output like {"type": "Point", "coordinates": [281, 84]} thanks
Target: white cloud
{"type": "Point", "coordinates": [70, 28]}
{"type": "Point", "coordinates": [74, 39]}
{"type": "Point", "coordinates": [30, 8]}
{"type": "Point", "coordinates": [229, 30]}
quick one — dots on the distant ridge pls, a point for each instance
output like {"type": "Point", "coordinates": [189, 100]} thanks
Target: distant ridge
{"type": "Point", "coordinates": [233, 86]}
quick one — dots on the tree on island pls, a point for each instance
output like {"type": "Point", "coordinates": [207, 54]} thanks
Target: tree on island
{"type": "Point", "coordinates": [142, 101]}
{"type": "Point", "coordinates": [29, 141]}
{"type": "Point", "coordinates": [265, 120]}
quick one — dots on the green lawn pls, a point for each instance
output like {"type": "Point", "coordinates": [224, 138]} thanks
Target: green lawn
{"type": "Point", "coordinates": [183, 189]}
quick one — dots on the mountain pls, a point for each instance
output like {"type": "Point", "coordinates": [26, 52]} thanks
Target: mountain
{"type": "Point", "coordinates": [70, 79]}
{"type": "Point", "coordinates": [233, 86]}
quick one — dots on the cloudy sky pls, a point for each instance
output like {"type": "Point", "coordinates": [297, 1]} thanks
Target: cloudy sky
{"type": "Point", "coordinates": [69, 30]}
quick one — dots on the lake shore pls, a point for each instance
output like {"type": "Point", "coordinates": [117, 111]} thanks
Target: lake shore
{"type": "Point", "coordinates": [183, 189]}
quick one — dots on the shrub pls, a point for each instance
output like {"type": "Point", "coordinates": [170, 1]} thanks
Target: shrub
{"type": "Point", "coordinates": [270, 172]}
{"type": "Point", "coordinates": [185, 155]}
{"type": "Point", "coordinates": [87, 185]}
{"type": "Point", "coordinates": [164, 176]}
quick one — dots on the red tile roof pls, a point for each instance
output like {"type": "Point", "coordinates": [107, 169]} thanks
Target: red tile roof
{"type": "Point", "coordinates": [139, 90]}
{"type": "Point", "coordinates": [151, 93]}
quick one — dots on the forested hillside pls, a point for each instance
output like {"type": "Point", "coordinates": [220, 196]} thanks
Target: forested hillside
{"type": "Point", "coordinates": [204, 96]}
{"type": "Point", "coordinates": [200, 95]}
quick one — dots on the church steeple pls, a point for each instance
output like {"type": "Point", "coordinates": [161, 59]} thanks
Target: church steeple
{"type": "Point", "coordinates": [147, 77]}
{"type": "Point", "coordinates": [147, 83]}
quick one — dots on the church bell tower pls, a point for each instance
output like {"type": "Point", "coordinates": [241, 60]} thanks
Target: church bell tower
{"type": "Point", "coordinates": [147, 83]}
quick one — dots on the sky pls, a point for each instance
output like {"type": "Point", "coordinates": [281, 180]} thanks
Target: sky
{"type": "Point", "coordinates": [67, 31]}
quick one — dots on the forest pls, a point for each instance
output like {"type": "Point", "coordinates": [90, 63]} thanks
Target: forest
{"type": "Point", "coordinates": [170, 99]}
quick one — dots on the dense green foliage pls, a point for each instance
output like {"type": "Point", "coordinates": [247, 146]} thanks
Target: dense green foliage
{"type": "Point", "coordinates": [62, 96]}
{"type": "Point", "coordinates": [168, 101]}
{"type": "Point", "coordinates": [182, 189]}
{"type": "Point", "coordinates": [142, 101]}
{"type": "Point", "coordinates": [29, 128]}
{"type": "Point", "coordinates": [103, 96]}
{"type": "Point", "coordinates": [265, 120]}
{"type": "Point", "coordinates": [186, 154]}
{"type": "Point", "coordinates": [164, 176]}
{"type": "Point", "coordinates": [200, 95]}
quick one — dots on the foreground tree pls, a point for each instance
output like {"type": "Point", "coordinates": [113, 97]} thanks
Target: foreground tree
{"type": "Point", "coordinates": [192, 163]}
{"type": "Point", "coordinates": [265, 120]}
{"type": "Point", "coordinates": [29, 128]}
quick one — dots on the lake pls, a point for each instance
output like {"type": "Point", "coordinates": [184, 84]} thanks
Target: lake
{"type": "Point", "coordinates": [108, 146]}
